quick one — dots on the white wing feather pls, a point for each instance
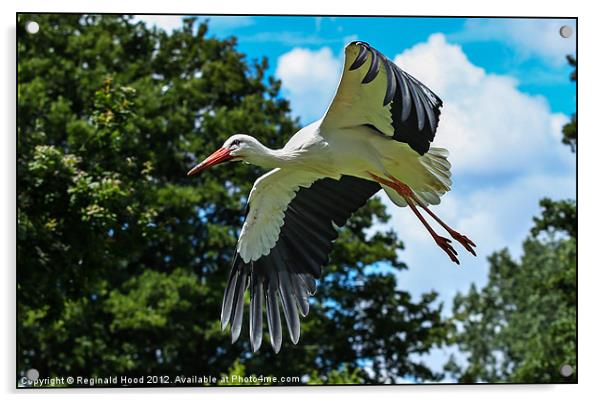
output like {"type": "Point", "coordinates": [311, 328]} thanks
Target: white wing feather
{"type": "Point", "coordinates": [268, 200]}
{"type": "Point", "coordinates": [355, 103]}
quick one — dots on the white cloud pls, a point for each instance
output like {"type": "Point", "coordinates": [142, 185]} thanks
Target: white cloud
{"type": "Point", "coordinates": [506, 154]}
{"type": "Point", "coordinates": [166, 22]}
{"type": "Point", "coordinates": [488, 125]}
{"type": "Point", "coordinates": [505, 148]}
{"type": "Point", "coordinates": [530, 37]}
{"type": "Point", "coordinates": [309, 80]}
{"type": "Point", "coordinates": [494, 217]}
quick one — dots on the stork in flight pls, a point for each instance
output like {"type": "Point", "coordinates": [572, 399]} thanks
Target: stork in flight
{"type": "Point", "coordinates": [375, 134]}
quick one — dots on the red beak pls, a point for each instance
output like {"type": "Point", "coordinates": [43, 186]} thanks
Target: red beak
{"type": "Point", "coordinates": [219, 156]}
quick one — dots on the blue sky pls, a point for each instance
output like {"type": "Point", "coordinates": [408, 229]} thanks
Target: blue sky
{"type": "Point", "coordinates": [496, 50]}
{"type": "Point", "coordinates": [506, 93]}
{"type": "Point", "coordinates": [494, 44]}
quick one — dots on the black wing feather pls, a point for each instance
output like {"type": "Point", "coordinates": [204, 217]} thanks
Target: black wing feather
{"type": "Point", "coordinates": [429, 107]}
{"type": "Point", "coordinates": [230, 290]}
{"type": "Point", "coordinates": [255, 316]}
{"type": "Point", "coordinates": [301, 293]}
{"type": "Point", "coordinates": [287, 274]}
{"type": "Point", "coordinates": [412, 103]}
{"type": "Point", "coordinates": [237, 307]}
{"type": "Point", "coordinates": [391, 85]}
{"type": "Point", "coordinates": [373, 70]}
{"type": "Point", "coordinates": [273, 311]}
{"type": "Point", "coordinates": [418, 106]}
{"type": "Point", "coordinates": [360, 59]}
{"type": "Point", "coordinates": [404, 97]}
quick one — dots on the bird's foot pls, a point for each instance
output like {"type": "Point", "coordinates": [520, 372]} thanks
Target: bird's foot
{"type": "Point", "coordinates": [464, 241]}
{"type": "Point", "coordinates": [445, 244]}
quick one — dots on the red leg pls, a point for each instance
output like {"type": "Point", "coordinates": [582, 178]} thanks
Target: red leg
{"type": "Point", "coordinates": [460, 238]}
{"type": "Point", "coordinates": [441, 241]}
{"type": "Point", "coordinates": [408, 196]}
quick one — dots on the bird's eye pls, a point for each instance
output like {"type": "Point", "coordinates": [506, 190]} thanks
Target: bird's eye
{"type": "Point", "coordinates": [236, 143]}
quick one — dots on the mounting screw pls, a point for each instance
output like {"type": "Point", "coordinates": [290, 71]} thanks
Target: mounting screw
{"type": "Point", "coordinates": [566, 31]}
{"type": "Point", "coordinates": [32, 374]}
{"type": "Point", "coordinates": [566, 370]}
{"type": "Point", "coordinates": [32, 27]}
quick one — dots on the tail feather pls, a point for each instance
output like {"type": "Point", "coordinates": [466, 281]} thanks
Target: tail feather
{"type": "Point", "coordinates": [438, 167]}
{"type": "Point", "coordinates": [435, 180]}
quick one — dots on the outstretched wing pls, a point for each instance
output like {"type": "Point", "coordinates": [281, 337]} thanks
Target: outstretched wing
{"type": "Point", "coordinates": [374, 91]}
{"type": "Point", "coordinates": [285, 241]}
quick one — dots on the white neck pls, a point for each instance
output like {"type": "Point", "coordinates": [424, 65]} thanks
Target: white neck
{"type": "Point", "coordinates": [270, 158]}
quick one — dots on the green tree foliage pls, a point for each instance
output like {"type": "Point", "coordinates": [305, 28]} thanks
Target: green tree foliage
{"type": "Point", "coordinates": [557, 216]}
{"type": "Point", "coordinates": [342, 376]}
{"type": "Point", "coordinates": [569, 131]}
{"type": "Point", "coordinates": [522, 326]}
{"type": "Point", "coordinates": [122, 259]}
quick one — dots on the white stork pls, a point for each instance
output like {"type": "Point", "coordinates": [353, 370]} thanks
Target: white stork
{"type": "Point", "coordinates": [375, 134]}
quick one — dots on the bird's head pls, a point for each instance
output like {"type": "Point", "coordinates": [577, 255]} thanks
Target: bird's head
{"type": "Point", "coordinates": [239, 147]}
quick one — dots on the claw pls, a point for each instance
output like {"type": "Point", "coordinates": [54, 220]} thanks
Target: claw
{"type": "Point", "coordinates": [445, 244]}
{"type": "Point", "coordinates": [464, 241]}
